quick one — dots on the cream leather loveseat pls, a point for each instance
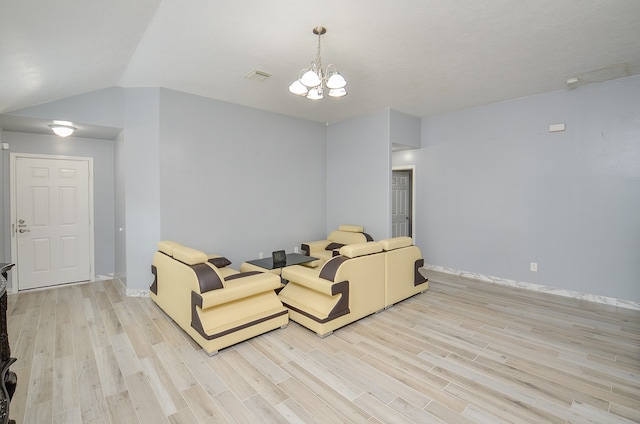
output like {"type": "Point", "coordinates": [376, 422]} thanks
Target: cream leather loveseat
{"type": "Point", "coordinates": [364, 278]}
{"type": "Point", "coordinates": [324, 249]}
{"type": "Point", "coordinates": [216, 305]}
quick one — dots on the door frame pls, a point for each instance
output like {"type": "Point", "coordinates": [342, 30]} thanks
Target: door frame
{"type": "Point", "coordinates": [15, 283]}
{"type": "Point", "coordinates": [412, 170]}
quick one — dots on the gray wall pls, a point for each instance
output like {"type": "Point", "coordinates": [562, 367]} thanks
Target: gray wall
{"type": "Point", "coordinates": [497, 190]}
{"type": "Point", "coordinates": [101, 107]}
{"type": "Point", "coordinates": [119, 204]}
{"type": "Point", "coordinates": [238, 181]}
{"type": "Point", "coordinates": [404, 131]}
{"type": "Point", "coordinates": [359, 174]}
{"type": "Point", "coordinates": [136, 201]}
{"type": "Point", "coordinates": [102, 152]}
{"type": "Point", "coordinates": [141, 185]}
{"type": "Point", "coordinates": [210, 174]}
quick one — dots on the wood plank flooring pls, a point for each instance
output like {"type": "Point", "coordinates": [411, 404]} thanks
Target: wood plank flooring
{"type": "Point", "coordinates": [463, 352]}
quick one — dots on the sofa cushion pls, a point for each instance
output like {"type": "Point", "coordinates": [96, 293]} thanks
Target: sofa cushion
{"type": "Point", "coordinates": [396, 243]}
{"type": "Point", "coordinates": [346, 237]}
{"type": "Point", "coordinates": [189, 256]}
{"type": "Point", "coordinates": [360, 249]}
{"type": "Point", "coordinates": [352, 228]}
{"type": "Point", "coordinates": [167, 246]}
{"type": "Point", "coordinates": [333, 246]}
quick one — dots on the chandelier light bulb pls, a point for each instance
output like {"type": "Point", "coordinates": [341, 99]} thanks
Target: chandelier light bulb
{"type": "Point", "coordinates": [298, 88]}
{"type": "Point", "coordinates": [315, 94]}
{"type": "Point", "coordinates": [336, 81]}
{"type": "Point", "coordinates": [310, 79]}
{"type": "Point", "coordinates": [337, 92]}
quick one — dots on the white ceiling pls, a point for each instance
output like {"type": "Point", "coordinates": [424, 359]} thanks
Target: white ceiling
{"type": "Point", "coordinates": [419, 57]}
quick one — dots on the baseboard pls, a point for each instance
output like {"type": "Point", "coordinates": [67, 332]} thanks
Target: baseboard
{"type": "Point", "coordinates": [621, 303]}
{"type": "Point", "coordinates": [137, 293]}
{"type": "Point", "coordinates": [122, 286]}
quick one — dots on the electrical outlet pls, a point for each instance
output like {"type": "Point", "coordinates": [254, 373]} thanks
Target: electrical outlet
{"type": "Point", "coordinates": [534, 266]}
{"type": "Point", "coordinates": [295, 249]}
{"type": "Point", "coordinates": [260, 255]}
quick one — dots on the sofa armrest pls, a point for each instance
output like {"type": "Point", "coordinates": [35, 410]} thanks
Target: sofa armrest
{"type": "Point", "coordinates": [240, 288]}
{"type": "Point", "coordinates": [318, 299]}
{"type": "Point", "coordinates": [312, 246]}
{"type": "Point", "coordinates": [309, 278]}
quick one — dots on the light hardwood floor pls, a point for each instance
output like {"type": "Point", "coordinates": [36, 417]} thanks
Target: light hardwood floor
{"type": "Point", "coordinates": [462, 352]}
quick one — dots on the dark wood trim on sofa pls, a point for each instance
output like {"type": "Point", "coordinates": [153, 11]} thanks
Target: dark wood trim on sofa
{"type": "Point", "coordinates": [417, 277]}
{"type": "Point", "coordinates": [241, 274]}
{"type": "Point", "coordinates": [154, 285]}
{"type": "Point", "coordinates": [328, 271]}
{"type": "Point", "coordinates": [341, 308]}
{"type": "Point", "coordinates": [207, 278]}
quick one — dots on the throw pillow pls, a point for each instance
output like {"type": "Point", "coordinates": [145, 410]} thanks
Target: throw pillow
{"type": "Point", "coordinates": [220, 262]}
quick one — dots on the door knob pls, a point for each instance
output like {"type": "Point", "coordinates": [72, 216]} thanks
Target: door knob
{"type": "Point", "coordinates": [22, 230]}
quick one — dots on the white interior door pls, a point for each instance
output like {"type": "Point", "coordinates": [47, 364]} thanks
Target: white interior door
{"type": "Point", "coordinates": [53, 236]}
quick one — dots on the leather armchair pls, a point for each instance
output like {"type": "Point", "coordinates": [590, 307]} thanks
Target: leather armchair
{"type": "Point", "coordinates": [326, 249]}
{"type": "Point", "coordinates": [216, 305]}
{"type": "Point", "coordinates": [363, 279]}
{"type": "Point", "coordinates": [346, 288]}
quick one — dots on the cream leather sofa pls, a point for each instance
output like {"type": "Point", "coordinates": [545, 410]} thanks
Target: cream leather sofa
{"type": "Point", "coordinates": [326, 249]}
{"type": "Point", "coordinates": [403, 261]}
{"type": "Point", "coordinates": [363, 279]}
{"type": "Point", "coordinates": [216, 305]}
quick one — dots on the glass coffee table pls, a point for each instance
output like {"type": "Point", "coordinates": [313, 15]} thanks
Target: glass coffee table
{"type": "Point", "coordinates": [292, 259]}
{"type": "Point", "coordinates": [267, 265]}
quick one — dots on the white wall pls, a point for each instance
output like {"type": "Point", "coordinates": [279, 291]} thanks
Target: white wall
{"type": "Point", "coordinates": [498, 191]}
{"type": "Point", "coordinates": [359, 174]}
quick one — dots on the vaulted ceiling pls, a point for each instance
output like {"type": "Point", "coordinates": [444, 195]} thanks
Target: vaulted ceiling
{"type": "Point", "coordinates": [419, 57]}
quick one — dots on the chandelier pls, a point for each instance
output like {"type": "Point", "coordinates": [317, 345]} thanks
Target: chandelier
{"type": "Point", "coordinates": [313, 81]}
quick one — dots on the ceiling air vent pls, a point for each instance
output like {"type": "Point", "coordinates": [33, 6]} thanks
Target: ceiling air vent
{"type": "Point", "coordinates": [257, 75]}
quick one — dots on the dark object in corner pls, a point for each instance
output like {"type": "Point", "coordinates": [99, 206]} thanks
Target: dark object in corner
{"type": "Point", "coordinates": [279, 258]}
{"type": "Point", "coordinates": [8, 379]}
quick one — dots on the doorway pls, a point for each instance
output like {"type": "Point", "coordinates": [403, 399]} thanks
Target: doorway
{"type": "Point", "coordinates": [51, 220]}
{"type": "Point", "coordinates": [402, 200]}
